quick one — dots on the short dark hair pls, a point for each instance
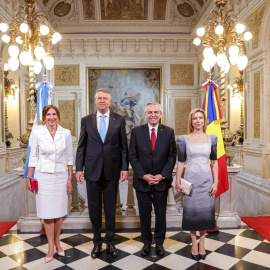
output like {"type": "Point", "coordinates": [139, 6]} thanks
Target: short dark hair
{"type": "Point", "coordinates": [47, 108]}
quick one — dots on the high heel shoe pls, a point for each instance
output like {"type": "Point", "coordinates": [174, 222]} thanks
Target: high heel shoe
{"type": "Point", "coordinates": [194, 257]}
{"type": "Point", "coordinates": [48, 259]}
{"type": "Point", "coordinates": [61, 253]}
{"type": "Point", "coordinates": [201, 256]}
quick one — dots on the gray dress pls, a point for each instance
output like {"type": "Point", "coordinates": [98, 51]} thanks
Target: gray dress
{"type": "Point", "coordinates": [198, 207]}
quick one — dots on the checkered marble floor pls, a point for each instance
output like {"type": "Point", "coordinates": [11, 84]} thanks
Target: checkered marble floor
{"type": "Point", "coordinates": [234, 249]}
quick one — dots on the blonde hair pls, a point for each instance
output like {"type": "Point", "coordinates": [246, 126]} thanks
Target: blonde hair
{"type": "Point", "coordinates": [191, 115]}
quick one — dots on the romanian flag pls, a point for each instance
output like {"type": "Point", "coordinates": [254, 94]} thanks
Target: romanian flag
{"type": "Point", "coordinates": [213, 115]}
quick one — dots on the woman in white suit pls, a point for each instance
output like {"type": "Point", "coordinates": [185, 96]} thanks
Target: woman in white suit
{"type": "Point", "coordinates": [51, 157]}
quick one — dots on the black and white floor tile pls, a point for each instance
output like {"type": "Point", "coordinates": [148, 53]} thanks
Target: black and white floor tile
{"type": "Point", "coordinates": [234, 249]}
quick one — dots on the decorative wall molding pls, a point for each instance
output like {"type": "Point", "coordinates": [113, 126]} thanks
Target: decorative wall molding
{"type": "Point", "coordinates": [118, 47]}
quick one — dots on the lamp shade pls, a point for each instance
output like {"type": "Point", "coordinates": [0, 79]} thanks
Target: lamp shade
{"type": "Point", "coordinates": [219, 29]}
{"type": "Point", "coordinates": [221, 59]}
{"type": "Point", "coordinates": [48, 62]}
{"type": "Point", "coordinates": [208, 52]}
{"type": "Point", "coordinates": [240, 28]}
{"type": "Point", "coordinates": [44, 30]}
{"type": "Point", "coordinates": [6, 38]}
{"type": "Point", "coordinates": [206, 64]}
{"type": "Point", "coordinates": [13, 63]}
{"type": "Point", "coordinates": [19, 40]}
{"type": "Point", "coordinates": [25, 58]}
{"type": "Point", "coordinates": [200, 31]}
{"type": "Point", "coordinates": [233, 59]}
{"type": "Point", "coordinates": [242, 62]}
{"type": "Point", "coordinates": [37, 67]}
{"type": "Point", "coordinates": [196, 41]}
{"type": "Point", "coordinates": [234, 50]}
{"type": "Point", "coordinates": [6, 67]}
{"type": "Point", "coordinates": [213, 60]}
{"type": "Point", "coordinates": [13, 50]}
{"type": "Point", "coordinates": [39, 52]}
{"type": "Point", "coordinates": [247, 36]}
{"type": "Point", "coordinates": [3, 27]}
{"type": "Point", "coordinates": [56, 37]}
{"type": "Point", "coordinates": [227, 67]}
{"type": "Point", "coordinates": [24, 28]}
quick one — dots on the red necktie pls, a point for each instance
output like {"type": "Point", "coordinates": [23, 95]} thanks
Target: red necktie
{"type": "Point", "coordinates": [153, 139]}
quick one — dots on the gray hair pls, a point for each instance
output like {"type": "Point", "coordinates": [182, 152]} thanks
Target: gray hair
{"type": "Point", "coordinates": [152, 103]}
{"type": "Point", "coordinates": [104, 90]}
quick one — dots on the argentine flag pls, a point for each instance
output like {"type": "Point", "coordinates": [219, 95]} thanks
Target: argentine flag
{"type": "Point", "coordinates": [43, 98]}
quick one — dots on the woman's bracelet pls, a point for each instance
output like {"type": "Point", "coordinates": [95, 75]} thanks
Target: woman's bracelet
{"type": "Point", "coordinates": [216, 181]}
{"type": "Point", "coordinates": [28, 177]}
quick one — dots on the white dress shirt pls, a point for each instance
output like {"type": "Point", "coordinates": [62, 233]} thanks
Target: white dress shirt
{"type": "Point", "coordinates": [106, 119]}
{"type": "Point", "coordinates": [150, 130]}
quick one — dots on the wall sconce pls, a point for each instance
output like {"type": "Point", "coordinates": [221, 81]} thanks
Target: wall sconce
{"type": "Point", "coordinates": [10, 93]}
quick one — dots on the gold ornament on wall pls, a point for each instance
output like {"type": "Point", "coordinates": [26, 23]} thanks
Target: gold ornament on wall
{"type": "Point", "coordinates": [254, 22]}
{"type": "Point", "coordinates": [182, 108]}
{"type": "Point", "coordinates": [182, 74]}
{"type": "Point", "coordinates": [160, 9]}
{"type": "Point", "coordinates": [257, 105]}
{"type": "Point", "coordinates": [185, 9]}
{"type": "Point", "coordinates": [124, 10]}
{"type": "Point", "coordinates": [88, 9]}
{"type": "Point", "coordinates": [67, 112]}
{"type": "Point", "coordinates": [66, 75]}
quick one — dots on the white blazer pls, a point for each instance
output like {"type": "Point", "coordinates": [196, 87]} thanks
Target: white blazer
{"type": "Point", "coordinates": [51, 155]}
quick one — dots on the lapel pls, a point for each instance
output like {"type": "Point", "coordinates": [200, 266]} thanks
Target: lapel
{"type": "Point", "coordinates": [46, 134]}
{"type": "Point", "coordinates": [59, 133]}
{"type": "Point", "coordinates": [112, 121]}
{"type": "Point", "coordinates": [147, 137]}
{"type": "Point", "coordinates": [93, 124]}
{"type": "Point", "coordinates": [159, 137]}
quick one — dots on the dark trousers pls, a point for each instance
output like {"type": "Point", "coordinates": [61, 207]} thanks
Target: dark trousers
{"type": "Point", "coordinates": [159, 200]}
{"type": "Point", "coordinates": [95, 190]}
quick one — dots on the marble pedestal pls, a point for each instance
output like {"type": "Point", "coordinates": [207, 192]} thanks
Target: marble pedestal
{"type": "Point", "coordinates": [228, 217]}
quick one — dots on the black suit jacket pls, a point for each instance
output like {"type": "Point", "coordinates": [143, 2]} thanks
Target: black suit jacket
{"type": "Point", "coordinates": [144, 161]}
{"type": "Point", "coordinates": [93, 154]}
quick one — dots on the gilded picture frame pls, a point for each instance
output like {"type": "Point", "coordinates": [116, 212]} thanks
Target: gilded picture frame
{"type": "Point", "coordinates": [131, 89]}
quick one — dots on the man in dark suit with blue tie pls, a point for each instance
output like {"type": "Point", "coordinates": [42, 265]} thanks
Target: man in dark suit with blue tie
{"type": "Point", "coordinates": [103, 154]}
{"type": "Point", "coordinates": [152, 155]}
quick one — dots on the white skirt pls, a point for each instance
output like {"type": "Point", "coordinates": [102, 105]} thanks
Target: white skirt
{"type": "Point", "coordinates": [51, 198]}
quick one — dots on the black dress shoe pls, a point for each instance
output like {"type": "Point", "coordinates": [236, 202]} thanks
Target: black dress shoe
{"type": "Point", "coordinates": [202, 256]}
{"type": "Point", "coordinates": [96, 251]}
{"type": "Point", "coordinates": [194, 257]}
{"type": "Point", "coordinates": [160, 251]}
{"type": "Point", "coordinates": [112, 250]}
{"type": "Point", "coordinates": [145, 250]}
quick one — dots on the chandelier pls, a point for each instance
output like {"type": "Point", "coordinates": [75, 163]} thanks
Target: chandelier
{"type": "Point", "coordinates": [223, 38]}
{"type": "Point", "coordinates": [30, 37]}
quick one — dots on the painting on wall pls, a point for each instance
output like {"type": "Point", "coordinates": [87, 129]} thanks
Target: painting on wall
{"type": "Point", "coordinates": [131, 89]}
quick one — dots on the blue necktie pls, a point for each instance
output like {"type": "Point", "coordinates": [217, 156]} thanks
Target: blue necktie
{"type": "Point", "coordinates": [102, 127]}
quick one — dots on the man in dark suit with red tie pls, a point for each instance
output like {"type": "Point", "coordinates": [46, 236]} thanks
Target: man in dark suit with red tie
{"type": "Point", "coordinates": [152, 155]}
{"type": "Point", "coordinates": [103, 154]}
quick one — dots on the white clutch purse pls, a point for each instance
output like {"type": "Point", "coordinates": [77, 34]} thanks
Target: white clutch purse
{"type": "Point", "coordinates": [185, 184]}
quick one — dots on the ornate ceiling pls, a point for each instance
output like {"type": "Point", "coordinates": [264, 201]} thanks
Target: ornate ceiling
{"type": "Point", "coordinates": [123, 16]}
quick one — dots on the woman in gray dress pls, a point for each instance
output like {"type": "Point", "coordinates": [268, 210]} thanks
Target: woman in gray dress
{"type": "Point", "coordinates": [196, 149]}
